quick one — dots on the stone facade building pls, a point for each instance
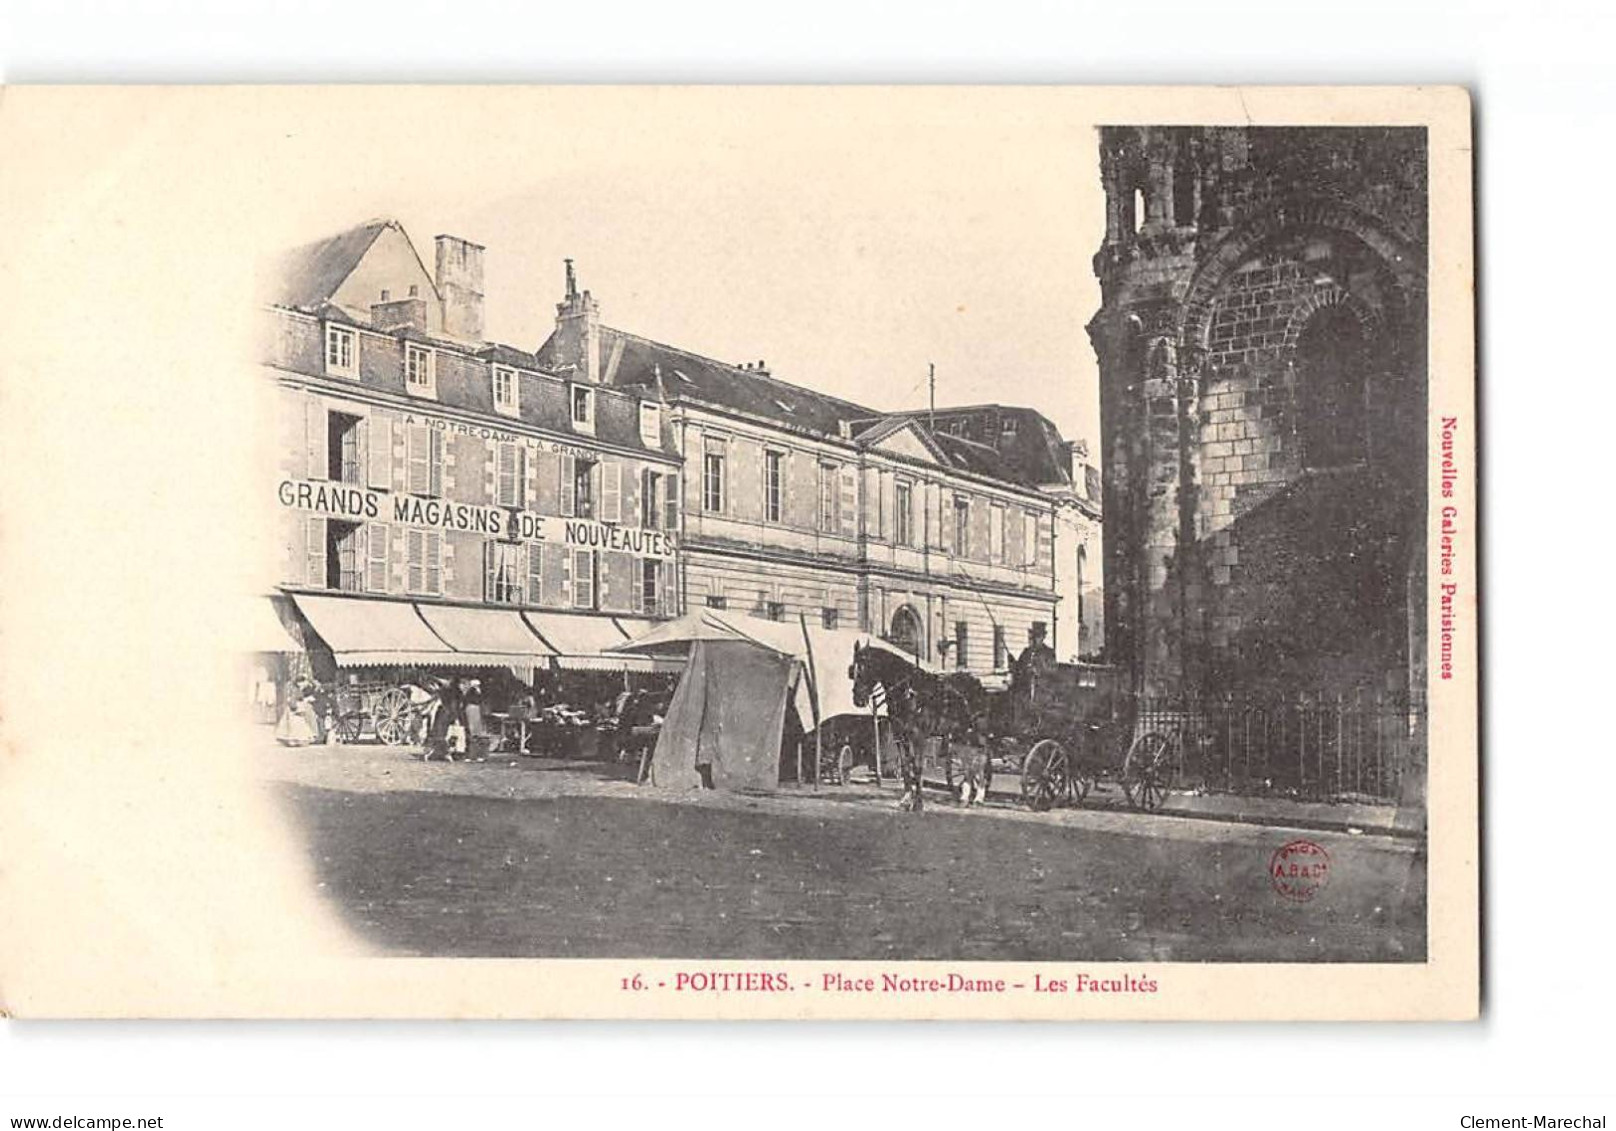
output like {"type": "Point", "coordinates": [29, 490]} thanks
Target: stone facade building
{"type": "Point", "coordinates": [1262, 345]}
{"type": "Point", "coordinates": [950, 540]}
{"type": "Point", "coordinates": [443, 499]}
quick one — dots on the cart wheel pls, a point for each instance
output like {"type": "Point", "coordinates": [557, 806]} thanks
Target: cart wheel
{"type": "Point", "coordinates": [844, 763]}
{"type": "Point", "coordinates": [349, 727]}
{"type": "Point", "coordinates": [1147, 772]}
{"type": "Point", "coordinates": [1045, 775]}
{"type": "Point", "coordinates": [391, 714]}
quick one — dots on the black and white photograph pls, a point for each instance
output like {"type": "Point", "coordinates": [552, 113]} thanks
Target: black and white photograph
{"type": "Point", "coordinates": [589, 643]}
{"type": "Point", "coordinates": [738, 557]}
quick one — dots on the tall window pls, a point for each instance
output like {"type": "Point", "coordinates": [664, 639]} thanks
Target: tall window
{"type": "Point", "coordinates": [773, 488]}
{"type": "Point", "coordinates": [961, 643]}
{"type": "Point", "coordinates": [650, 586]}
{"type": "Point", "coordinates": [419, 375]}
{"type": "Point", "coordinates": [996, 533]}
{"type": "Point", "coordinates": [504, 573]}
{"type": "Point", "coordinates": [423, 560]}
{"type": "Point", "coordinates": [962, 526]}
{"type": "Point", "coordinates": [583, 409]}
{"type": "Point", "coordinates": [583, 488]}
{"type": "Point", "coordinates": [830, 509]}
{"type": "Point", "coordinates": [344, 557]}
{"type": "Point", "coordinates": [424, 460]}
{"type": "Point", "coordinates": [712, 479]}
{"type": "Point", "coordinates": [650, 500]}
{"type": "Point", "coordinates": [1332, 355]}
{"type": "Point", "coordinates": [583, 579]}
{"type": "Point", "coordinates": [1001, 652]}
{"type": "Point", "coordinates": [1029, 539]}
{"type": "Point", "coordinates": [341, 351]}
{"type": "Point", "coordinates": [903, 531]}
{"type": "Point", "coordinates": [509, 474]}
{"type": "Point", "coordinates": [505, 389]}
{"type": "Point", "coordinates": [346, 448]}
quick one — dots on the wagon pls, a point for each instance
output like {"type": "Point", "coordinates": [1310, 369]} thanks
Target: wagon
{"type": "Point", "coordinates": [390, 713]}
{"type": "Point", "coordinates": [1065, 727]}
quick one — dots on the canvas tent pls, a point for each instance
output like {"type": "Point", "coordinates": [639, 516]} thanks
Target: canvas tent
{"type": "Point", "coordinates": [730, 708]}
{"type": "Point", "coordinates": [726, 718]}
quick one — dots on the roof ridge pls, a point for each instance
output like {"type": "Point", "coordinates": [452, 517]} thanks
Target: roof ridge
{"type": "Point", "coordinates": [751, 373]}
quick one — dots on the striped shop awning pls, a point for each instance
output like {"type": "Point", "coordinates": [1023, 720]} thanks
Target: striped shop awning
{"type": "Point", "coordinates": [372, 633]}
{"type": "Point", "coordinates": [582, 642]}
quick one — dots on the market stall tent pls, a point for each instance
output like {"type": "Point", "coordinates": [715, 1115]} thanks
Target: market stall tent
{"type": "Point", "coordinates": [723, 728]}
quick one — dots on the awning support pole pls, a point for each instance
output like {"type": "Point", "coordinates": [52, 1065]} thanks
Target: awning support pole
{"type": "Point", "coordinates": [813, 702]}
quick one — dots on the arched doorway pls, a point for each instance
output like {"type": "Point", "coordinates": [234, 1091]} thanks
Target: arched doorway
{"type": "Point", "coordinates": [905, 631]}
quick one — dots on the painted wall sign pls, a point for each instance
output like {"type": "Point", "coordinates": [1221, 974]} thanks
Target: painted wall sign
{"type": "Point", "coordinates": [500, 435]}
{"type": "Point", "coordinates": [362, 504]}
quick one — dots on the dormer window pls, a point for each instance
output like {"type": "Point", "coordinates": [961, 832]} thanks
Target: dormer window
{"type": "Point", "coordinates": [420, 377]}
{"type": "Point", "coordinates": [583, 409]}
{"type": "Point", "coordinates": [341, 351]}
{"type": "Point", "coordinates": [650, 424]}
{"type": "Point", "coordinates": [505, 391]}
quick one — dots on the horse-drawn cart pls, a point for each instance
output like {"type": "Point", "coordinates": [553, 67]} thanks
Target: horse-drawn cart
{"type": "Point", "coordinates": [1074, 725]}
{"type": "Point", "coordinates": [1061, 727]}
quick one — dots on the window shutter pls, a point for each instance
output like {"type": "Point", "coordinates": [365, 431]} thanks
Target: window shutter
{"type": "Point", "coordinates": [583, 579]}
{"type": "Point", "coordinates": [945, 519]}
{"type": "Point", "coordinates": [611, 492]}
{"type": "Point", "coordinates": [379, 456]}
{"type": "Point", "coordinates": [376, 556]}
{"type": "Point", "coordinates": [415, 560]}
{"type": "Point", "coordinates": [670, 502]}
{"type": "Point", "coordinates": [434, 561]}
{"type": "Point", "coordinates": [535, 573]}
{"type": "Point", "coordinates": [569, 467]}
{"type": "Point", "coordinates": [436, 469]}
{"type": "Point", "coordinates": [507, 475]}
{"type": "Point", "coordinates": [490, 569]}
{"type": "Point", "coordinates": [417, 477]}
{"type": "Point", "coordinates": [647, 518]}
{"type": "Point", "coordinates": [315, 425]}
{"type": "Point", "coordinates": [316, 552]}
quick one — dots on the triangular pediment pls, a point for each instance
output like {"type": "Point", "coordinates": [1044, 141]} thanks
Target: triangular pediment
{"type": "Point", "coordinates": [907, 441]}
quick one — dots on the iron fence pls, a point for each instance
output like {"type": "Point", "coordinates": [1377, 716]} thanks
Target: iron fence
{"type": "Point", "coordinates": [1319, 746]}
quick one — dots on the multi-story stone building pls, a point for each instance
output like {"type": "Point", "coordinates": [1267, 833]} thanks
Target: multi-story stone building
{"type": "Point", "coordinates": [799, 504]}
{"type": "Point", "coordinates": [1262, 346]}
{"type": "Point", "coordinates": [444, 499]}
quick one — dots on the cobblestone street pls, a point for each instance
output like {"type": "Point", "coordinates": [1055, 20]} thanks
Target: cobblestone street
{"type": "Point", "coordinates": [535, 858]}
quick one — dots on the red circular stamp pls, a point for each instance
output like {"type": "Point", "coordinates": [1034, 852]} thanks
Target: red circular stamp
{"type": "Point", "coordinates": [1299, 869]}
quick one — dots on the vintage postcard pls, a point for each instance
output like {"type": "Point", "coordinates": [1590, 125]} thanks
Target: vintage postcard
{"type": "Point", "coordinates": [738, 553]}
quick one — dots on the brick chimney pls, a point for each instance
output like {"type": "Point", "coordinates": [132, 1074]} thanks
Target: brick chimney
{"type": "Point", "coordinates": [578, 331]}
{"type": "Point", "coordinates": [459, 277]}
{"type": "Point", "coordinates": [399, 313]}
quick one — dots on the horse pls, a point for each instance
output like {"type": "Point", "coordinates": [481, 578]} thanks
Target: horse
{"type": "Point", "coordinates": [921, 705]}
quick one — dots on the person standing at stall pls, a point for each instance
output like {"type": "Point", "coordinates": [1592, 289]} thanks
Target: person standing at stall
{"type": "Point", "coordinates": [450, 710]}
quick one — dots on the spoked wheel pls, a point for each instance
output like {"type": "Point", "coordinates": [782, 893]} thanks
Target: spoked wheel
{"type": "Point", "coordinates": [844, 763]}
{"type": "Point", "coordinates": [1148, 771]}
{"type": "Point", "coordinates": [392, 716]}
{"type": "Point", "coordinates": [1045, 775]}
{"type": "Point", "coordinates": [350, 726]}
